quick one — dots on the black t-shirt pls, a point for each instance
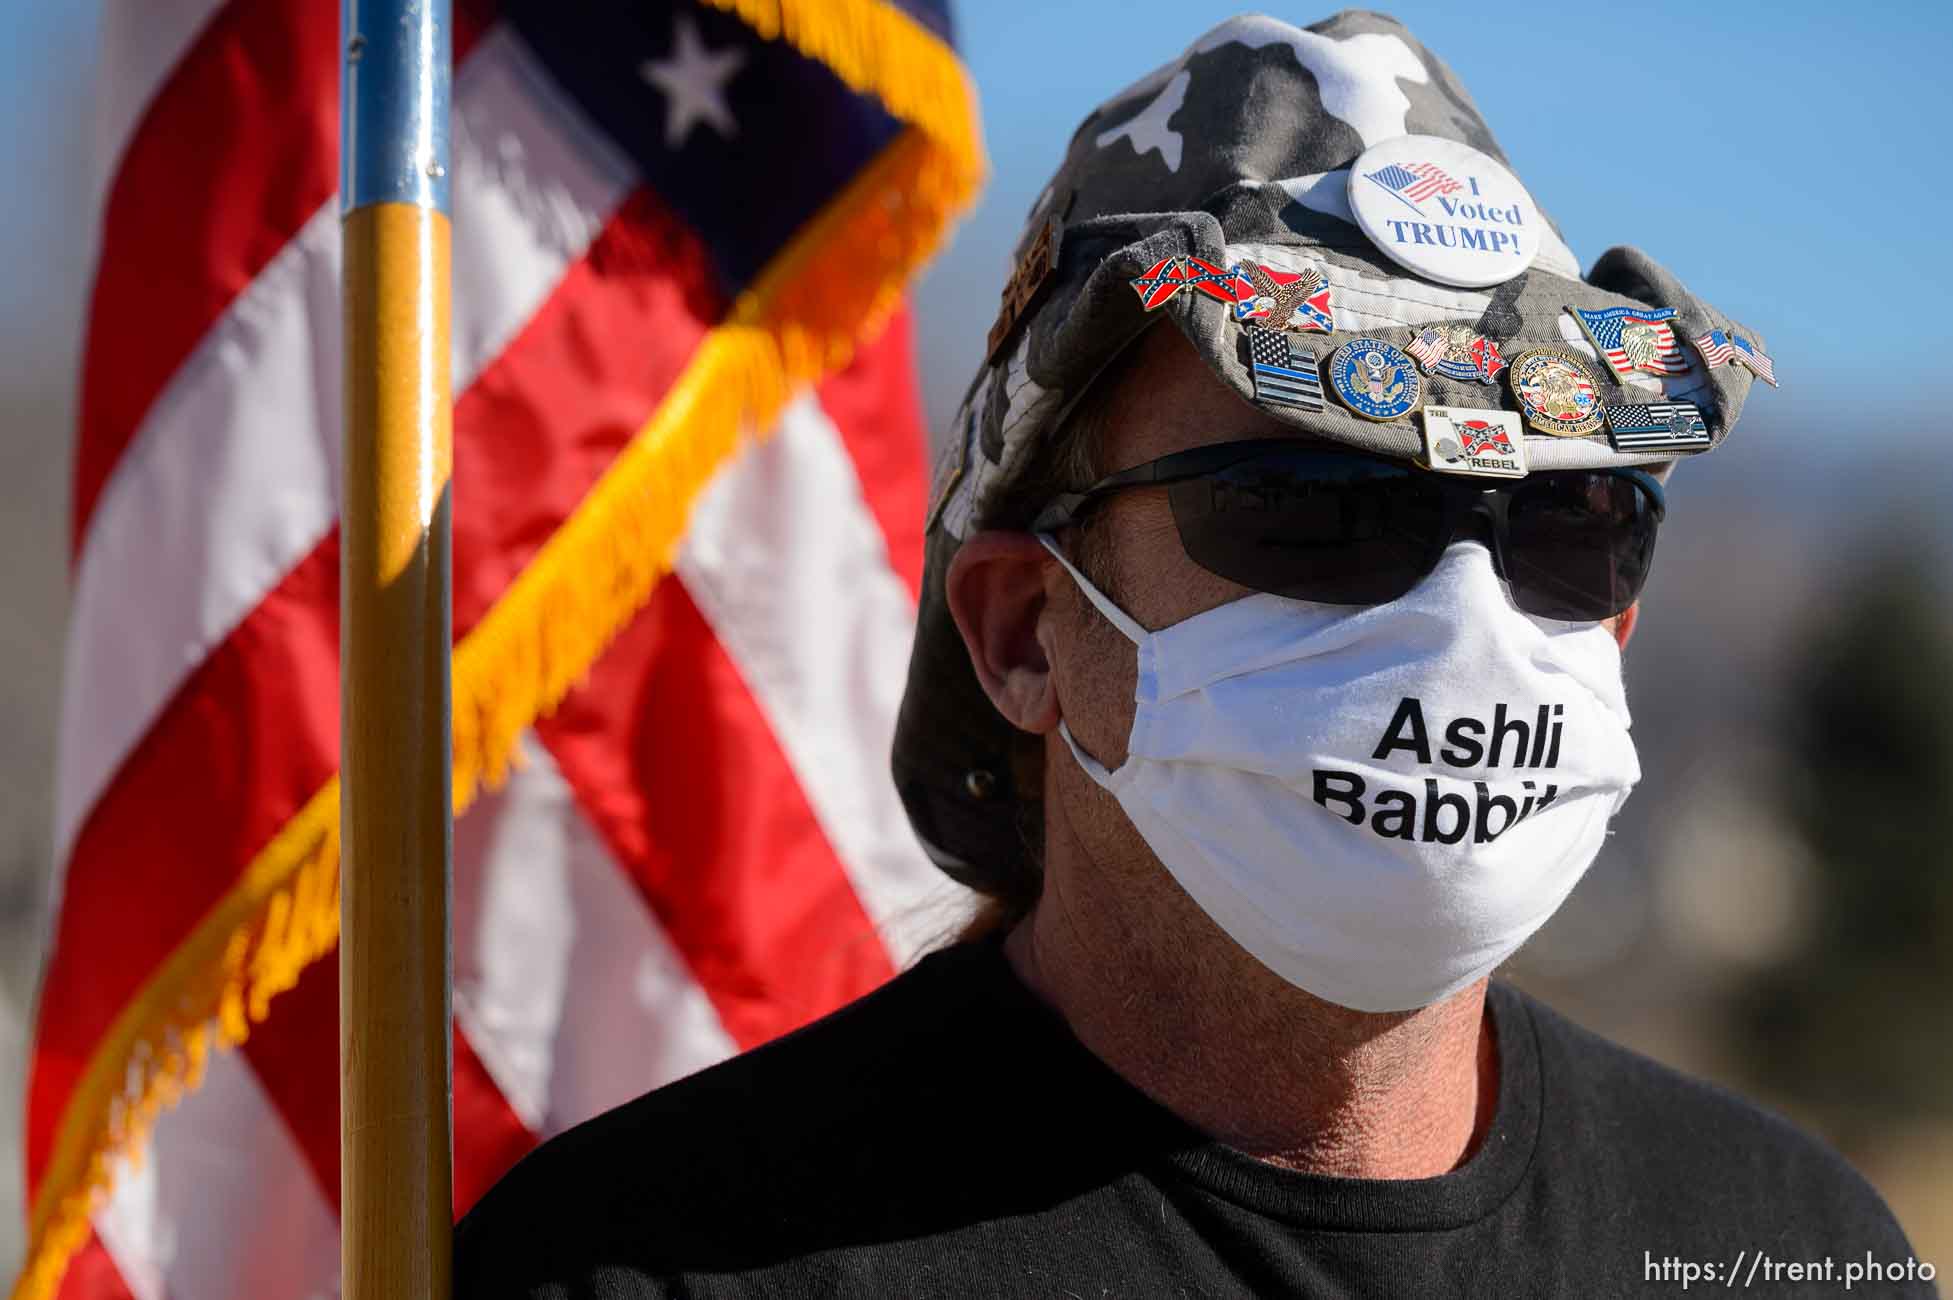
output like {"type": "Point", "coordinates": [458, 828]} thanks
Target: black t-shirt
{"type": "Point", "coordinates": [947, 1136]}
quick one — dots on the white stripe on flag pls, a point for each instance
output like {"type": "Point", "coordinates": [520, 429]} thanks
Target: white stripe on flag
{"type": "Point", "coordinates": [788, 566]}
{"type": "Point", "coordinates": [568, 991]}
{"type": "Point", "coordinates": [1576, 339]}
{"type": "Point", "coordinates": [223, 1205]}
{"type": "Point", "coordinates": [564, 983]}
{"type": "Point", "coordinates": [233, 477]}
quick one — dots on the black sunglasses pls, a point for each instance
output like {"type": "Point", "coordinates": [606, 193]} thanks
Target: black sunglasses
{"type": "Point", "coordinates": [1343, 528]}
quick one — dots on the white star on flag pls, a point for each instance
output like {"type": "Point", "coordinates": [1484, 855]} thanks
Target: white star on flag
{"type": "Point", "coordinates": [693, 80]}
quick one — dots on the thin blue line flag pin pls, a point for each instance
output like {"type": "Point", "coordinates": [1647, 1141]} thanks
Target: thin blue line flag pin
{"type": "Point", "coordinates": [1657, 426]}
{"type": "Point", "coordinates": [1284, 373]}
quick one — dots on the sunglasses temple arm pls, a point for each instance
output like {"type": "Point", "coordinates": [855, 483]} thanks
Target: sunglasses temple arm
{"type": "Point", "coordinates": [1065, 509]}
{"type": "Point", "coordinates": [1652, 486]}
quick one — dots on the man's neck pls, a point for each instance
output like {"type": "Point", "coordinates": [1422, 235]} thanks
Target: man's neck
{"type": "Point", "coordinates": [1151, 987]}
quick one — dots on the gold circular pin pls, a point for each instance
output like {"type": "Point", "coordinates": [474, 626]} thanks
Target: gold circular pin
{"type": "Point", "coordinates": [1556, 394]}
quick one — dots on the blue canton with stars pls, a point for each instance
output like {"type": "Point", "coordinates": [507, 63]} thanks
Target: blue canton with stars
{"type": "Point", "coordinates": [744, 194]}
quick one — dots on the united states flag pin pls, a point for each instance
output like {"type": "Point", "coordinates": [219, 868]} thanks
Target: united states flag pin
{"type": "Point", "coordinates": [1284, 374]}
{"type": "Point", "coordinates": [1722, 348]}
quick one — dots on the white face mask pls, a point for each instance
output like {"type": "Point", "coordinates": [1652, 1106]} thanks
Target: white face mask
{"type": "Point", "coordinates": [1380, 803]}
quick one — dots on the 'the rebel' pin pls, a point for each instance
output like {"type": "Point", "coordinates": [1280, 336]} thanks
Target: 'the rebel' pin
{"type": "Point", "coordinates": [1444, 210]}
{"type": "Point", "coordinates": [1466, 440]}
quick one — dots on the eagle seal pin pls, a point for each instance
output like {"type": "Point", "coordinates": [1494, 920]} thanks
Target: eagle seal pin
{"type": "Point", "coordinates": [1375, 379]}
{"type": "Point", "coordinates": [1555, 393]}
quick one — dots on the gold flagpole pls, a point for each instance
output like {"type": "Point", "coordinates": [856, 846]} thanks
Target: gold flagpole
{"type": "Point", "coordinates": [395, 1043]}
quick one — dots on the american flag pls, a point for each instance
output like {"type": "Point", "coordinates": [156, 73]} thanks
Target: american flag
{"type": "Point", "coordinates": [699, 847]}
{"type": "Point", "coordinates": [1642, 427]}
{"type": "Point", "coordinates": [1753, 357]}
{"type": "Point", "coordinates": [1428, 348]}
{"type": "Point", "coordinates": [1284, 374]}
{"type": "Point", "coordinates": [1439, 349]}
{"type": "Point", "coordinates": [1635, 338]}
{"type": "Point", "coordinates": [1715, 349]}
{"type": "Point", "coordinates": [1720, 348]}
{"type": "Point", "coordinates": [1415, 182]}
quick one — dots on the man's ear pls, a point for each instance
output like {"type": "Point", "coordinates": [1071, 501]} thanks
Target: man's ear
{"type": "Point", "coordinates": [1624, 623]}
{"type": "Point", "coordinates": [996, 593]}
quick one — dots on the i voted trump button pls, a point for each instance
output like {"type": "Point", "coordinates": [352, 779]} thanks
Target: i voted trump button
{"type": "Point", "coordinates": [1444, 210]}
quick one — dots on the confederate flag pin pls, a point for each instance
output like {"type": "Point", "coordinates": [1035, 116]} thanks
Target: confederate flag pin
{"type": "Point", "coordinates": [1465, 440]}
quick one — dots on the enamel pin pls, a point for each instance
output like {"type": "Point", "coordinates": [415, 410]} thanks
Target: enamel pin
{"type": "Point", "coordinates": [1027, 281]}
{"type": "Point", "coordinates": [1635, 339]}
{"type": "Point", "coordinates": [1375, 379]}
{"type": "Point", "coordinates": [1555, 393]}
{"type": "Point", "coordinates": [1170, 275]}
{"type": "Point", "coordinates": [1458, 352]}
{"type": "Point", "coordinates": [1721, 348]}
{"type": "Point", "coordinates": [1297, 301]}
{"type": "Point", "coordinates": [1284, 372]}
{"type": "Point", "coordinates": [1657, 426]}
{"type": "Point", "coordinates": [1465, 440]}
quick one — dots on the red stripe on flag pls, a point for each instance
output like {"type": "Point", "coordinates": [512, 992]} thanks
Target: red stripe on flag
{"type": "Point", "coordinates": [489, 1137]}
{"type": "Point", "coordinates": [295, 1054]}
{"type": "Point", "coordinates": [252, 734]}
{"type": "Point", "coordinates": [672, 761]}
{"type": "Point", "coordinates": [876, 403]}
{"type": "Point", "coordinates": [254, 731]}
{"type": "Point", "coordinates": [92, 1275]}
{"type": "Point", "coordinates": [554, 409]}
{"type": "Point", "coordinates": [238, 149]}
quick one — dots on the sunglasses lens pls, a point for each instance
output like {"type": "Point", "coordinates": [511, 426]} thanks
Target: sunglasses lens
{"type": "Point", "coordinates": [1578, 545]}
{"type": "Point", "coordinates": [1319, 526]}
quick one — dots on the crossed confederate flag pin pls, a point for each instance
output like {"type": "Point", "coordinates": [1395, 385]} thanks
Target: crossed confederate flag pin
{"type": "Point", "coordinates": [1294, 300]}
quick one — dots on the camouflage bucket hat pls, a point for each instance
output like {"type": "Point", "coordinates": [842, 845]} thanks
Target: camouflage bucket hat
{"type": "Point", "coordinates": [1325, 216]}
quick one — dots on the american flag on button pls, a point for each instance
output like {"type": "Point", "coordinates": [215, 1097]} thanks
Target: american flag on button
{"type": "Point", "coordinates": [1415, 182]}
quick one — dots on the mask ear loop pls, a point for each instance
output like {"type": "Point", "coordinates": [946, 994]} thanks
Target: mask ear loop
{"type": "Point", "coordinates": [1130, 629]}
{"type": "Point", "coordinates": [1126, 623]}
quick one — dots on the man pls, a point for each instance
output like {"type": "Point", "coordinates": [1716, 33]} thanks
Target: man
{"type": "Point", "coordinates": [1267, 680]}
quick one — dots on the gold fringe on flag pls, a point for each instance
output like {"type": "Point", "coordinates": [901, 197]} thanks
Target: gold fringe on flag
{"type": "Point", "coordinates": [797, 323]}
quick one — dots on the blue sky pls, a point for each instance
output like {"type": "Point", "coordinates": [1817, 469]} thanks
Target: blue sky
{"type": "Point", "coordinates": [1787, 160]}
